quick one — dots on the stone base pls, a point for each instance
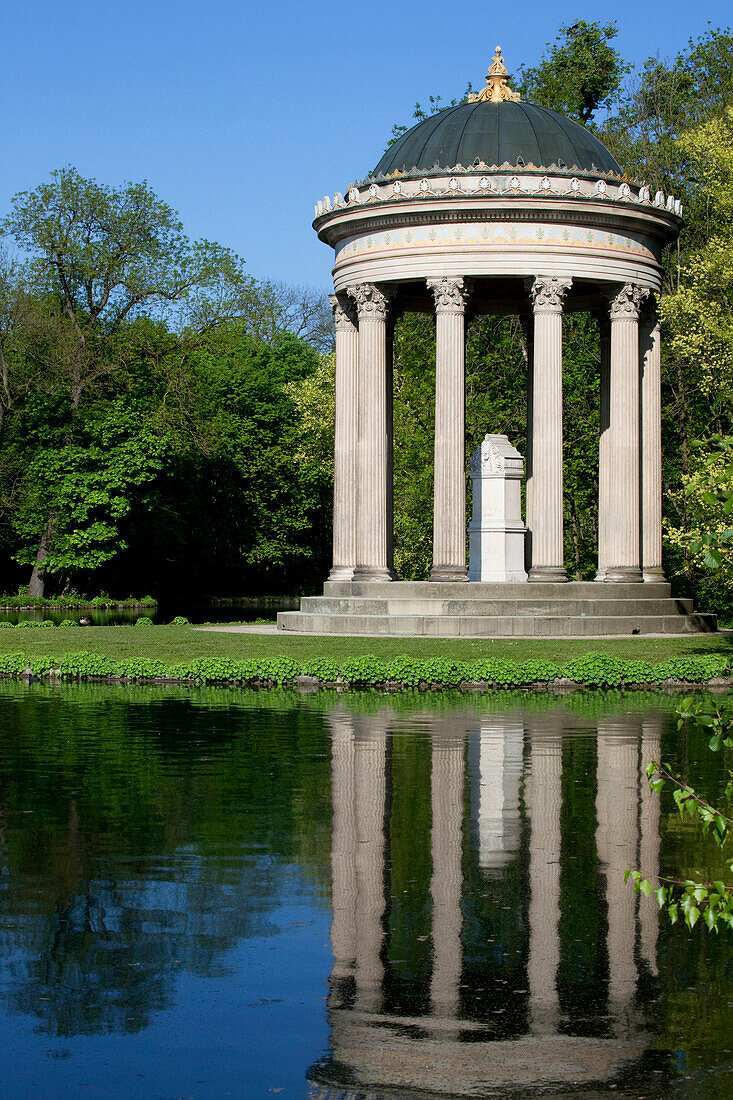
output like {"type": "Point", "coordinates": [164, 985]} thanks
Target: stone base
{"type": "Point", "coordinates": [341, 573]}
{"type": "Point", "coordinates": [366, 573]}
{"type": "Point", "coordinates": [448, 574]}
{"type": "Point", "coordinates": [622, 574]}
{"type": "Point", "coordinates": [547, 574]}
{"type": "Point", "coordinates": [539, 609]}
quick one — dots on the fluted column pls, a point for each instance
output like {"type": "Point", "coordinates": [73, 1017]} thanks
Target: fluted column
{"type": "Point", "coordinates": [449, 509]}
{"type": "Point", "coordinates": [543, 799]}
{"type": "Point", "coordinates": [617, 807]}
{"type": "Point", "coordinates": [624, 545]}
{"type": "Point", "coordinates": [345, 437]}
{"type": "Point", "coordinates": [545, 518]}
{"type": "Point", "coordinates": [528, 330]}
{"type": "Point", "coordinates": [446, 844]}
{"type": "Point", "coordinates": [369, 801]}
{"type": "Point", "coordinates": [651, 444]}
{"type": "Point", "coordinates": [605, 472]}
{"type": "Point", "coordinates": [343, 845]}
{"type": "Point", "coordinates": [374, 539]}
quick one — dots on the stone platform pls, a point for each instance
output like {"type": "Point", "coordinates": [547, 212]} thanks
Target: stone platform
{"type": "Point", "coordinates": [483, 610]}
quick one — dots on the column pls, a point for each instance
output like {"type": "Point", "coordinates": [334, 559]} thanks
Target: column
{"type": "Point", "coordinates": [652, 726]}
{"type": "Point", "coordinates": [374, 538]}
{"type": "Point", "coordinates": [370, 755]}
{"type": "Point", "coordinates": [343, 845]}
{"type": "Point", "coordinates": [449, 509]}
{"type": "Point", "coordinates": [527, 324]}
{"type": "Point", "coordinates": [546, 518]}
{"type": "Point", "coordinates": [605, 473]}
{"type": "Point", "coordinates": [651, 444]}
{"type": "Point", "coordinates": [446, 845]}
{"type": "Point", "coordinates": [543, 800]}
{"type": "Point", "coordinates": [617, 808]}
{"type": "Point", "coordinates": [623, 531]}
{"type": "Point", "coordinates": [345, 429]}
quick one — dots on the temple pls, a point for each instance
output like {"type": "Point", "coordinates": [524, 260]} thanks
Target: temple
{"type": "Point", "coordinates": [498, 206]}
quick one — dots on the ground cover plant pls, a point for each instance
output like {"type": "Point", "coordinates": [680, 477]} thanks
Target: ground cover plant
{"type": "Point", "coordinates": [202, 656]}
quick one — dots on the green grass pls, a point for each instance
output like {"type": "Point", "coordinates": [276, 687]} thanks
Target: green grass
{"type": "Point", "coordinates": [173, 644]}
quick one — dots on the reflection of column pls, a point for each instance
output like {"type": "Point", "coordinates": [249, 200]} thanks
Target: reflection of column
{"type": "Point", "coordinates": [617, 804]}
{"type": "Point", "coordinates": [624, 546]}
{"type": "Point", "coordinates": [369, 804]}
{"type": "Point", "coordinates": [343, 845]}
{"type": "Point", "coordinates": [547, 502]}
{"type": "Point", "coordinates": [651, 749]}
{"type": "Point", "coordinates": [449, 509]}
{"type": "Point", "coordinates": [605, 471]}
{"type": "Point", "coordinates": [496, 773]}
{"type": "Point", "coordinates": [543, 794]}
{"type": "Point", "coordinates": [651, 445]}
{"type": "Point", "coordinates": [344, 459]}
{"type": "Point", "coordinates": [374, 437]}
{"type": "Point", "coordinates": [446, 843]}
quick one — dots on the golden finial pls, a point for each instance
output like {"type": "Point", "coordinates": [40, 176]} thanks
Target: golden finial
{"type": "Point", "coordinates": [497, 90]}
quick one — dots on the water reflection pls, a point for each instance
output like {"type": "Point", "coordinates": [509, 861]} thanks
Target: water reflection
{"type": "Point", "coordinates": [532, 979]}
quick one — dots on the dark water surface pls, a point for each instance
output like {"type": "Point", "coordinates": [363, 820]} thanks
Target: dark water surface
{"type": "Point", "coordinates": [211, 893]}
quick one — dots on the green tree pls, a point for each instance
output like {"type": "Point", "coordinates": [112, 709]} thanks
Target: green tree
{"type": "Point", "coordinates": [101, 258]}
{"type": "Point", "coordinates": [580, 75]}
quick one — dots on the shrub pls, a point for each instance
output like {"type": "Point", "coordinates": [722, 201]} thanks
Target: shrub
{"type": "Point", "coordinates": [144, 620]}
{"type": "Point", "coordinates": [180, 620]}
{"type": "Point", "coordinates": [68, 622]}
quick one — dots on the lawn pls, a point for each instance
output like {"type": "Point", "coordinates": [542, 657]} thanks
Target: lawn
{"type": "Point", "coordinates": [174, 644]}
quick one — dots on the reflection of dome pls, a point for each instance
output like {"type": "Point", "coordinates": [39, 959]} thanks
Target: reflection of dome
{"type": "Point", "coordinates": [496, 134]}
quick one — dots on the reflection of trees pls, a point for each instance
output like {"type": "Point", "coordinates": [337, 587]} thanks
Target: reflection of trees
{"type": "Point", "coordinates": [142, 839]}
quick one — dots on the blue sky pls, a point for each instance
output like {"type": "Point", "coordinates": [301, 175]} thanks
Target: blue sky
{"type": "Point", "coordinates": [241, 114]}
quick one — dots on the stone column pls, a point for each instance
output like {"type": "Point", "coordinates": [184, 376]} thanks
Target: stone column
{"type": "Point", "coordinates": [605, 472]}
{"type": "Point", "coordinates": [617, 808]}
{"type": "Point", "coordinates": [545, 519]}
{"type": "Point", "coordinates": [343, 845]}
{"type": "Point", "coordinates": [651, 444]}
{"type": "Point", "coordinates": [543, 800]}
{"type": "Point", "coordinates": [369, 801]}
{"type": "Point", "coordinates": [449, 509]}
{"type": "Point", "coordinates": [374, 539]}
{"type": "Point", "coordinates": [345, 435]}
{"type": "Point", "coordinates": [527, 324]}
{"type": "Point", "coordinates": [624, 545]}
{"type": "Point", "coordinates": [446, 845]}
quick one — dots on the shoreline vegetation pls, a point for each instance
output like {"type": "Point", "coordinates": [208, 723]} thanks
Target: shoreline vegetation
{"type": "Point", "coordinates": [179, 654]}
{"type": "Point", "coordinates": [24, 602]}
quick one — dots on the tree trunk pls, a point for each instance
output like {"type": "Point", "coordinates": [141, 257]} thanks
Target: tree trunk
{"type": "Point", "coordinates": [36, 585]}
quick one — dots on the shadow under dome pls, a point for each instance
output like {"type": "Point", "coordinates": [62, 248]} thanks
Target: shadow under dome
{"type": "Point", "coordinates": [496, 134]}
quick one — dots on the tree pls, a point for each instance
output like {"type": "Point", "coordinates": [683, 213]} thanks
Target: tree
{"type": "Point", "coordinates": [102, 257]}
{"type": "Point", "coordinates": [580, 75]}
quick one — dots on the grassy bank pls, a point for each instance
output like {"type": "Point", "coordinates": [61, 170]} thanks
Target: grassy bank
{"type": "Point", "coordinates": [174, 644]}
{"type": "Point", "coordinates": [185, 654]}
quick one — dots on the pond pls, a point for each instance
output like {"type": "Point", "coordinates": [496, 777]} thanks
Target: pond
{"type": "Point", "coordinates": [211, 611]}
{"type": "Point", "coordinates": [210, 892]}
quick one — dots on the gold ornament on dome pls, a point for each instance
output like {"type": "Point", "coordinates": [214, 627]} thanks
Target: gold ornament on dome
{"type": "Point", "coordinates": [497, 90]}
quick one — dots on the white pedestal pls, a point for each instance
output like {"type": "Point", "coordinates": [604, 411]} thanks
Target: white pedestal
{"type": "Point", "coordinates": [496, 532]}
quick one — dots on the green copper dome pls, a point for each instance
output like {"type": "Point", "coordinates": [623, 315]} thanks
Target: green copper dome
{"type": "Point", "coordinates": [494, 134]}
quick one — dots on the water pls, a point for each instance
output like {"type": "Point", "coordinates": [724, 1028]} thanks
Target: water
{"type": "Point", "coordinates": [209, 893]}
{"type": "Point", "coordinates": [215, 612]}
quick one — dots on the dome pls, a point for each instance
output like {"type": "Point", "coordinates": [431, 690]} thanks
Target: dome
{"type": "Point", "coordinates": [494, 134]}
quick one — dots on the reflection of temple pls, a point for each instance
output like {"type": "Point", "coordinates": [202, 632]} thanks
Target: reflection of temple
{"type": "Point", "coordinates": [517, 990]}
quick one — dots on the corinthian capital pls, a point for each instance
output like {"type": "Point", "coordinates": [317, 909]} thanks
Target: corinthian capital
{"type": "Point", "coordinates": [450, 294]}
{"type": "Point", "coordinates": [626, 303]}
{"type": "Point", "coordinates": [547, 292]}
{"type": "Point", "coordinates": [372, 301]}
{"type": "Point", "coordinates": [344, 312]}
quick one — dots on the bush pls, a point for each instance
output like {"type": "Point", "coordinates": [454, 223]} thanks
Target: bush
{"type": "Point", "coordinates": [68, 622]}
{"type": "Point", "coordinates": [180, 620]}
{"type": "Point", "coordinates": [144, 620]}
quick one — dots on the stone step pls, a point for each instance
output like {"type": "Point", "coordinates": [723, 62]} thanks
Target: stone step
{"type": "Point", "coordinates": [479, 590]}
{"type": "Point", "coordinates": [522, 606]}
{"type": "Point", "coordinates": [491, 626]}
